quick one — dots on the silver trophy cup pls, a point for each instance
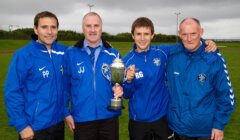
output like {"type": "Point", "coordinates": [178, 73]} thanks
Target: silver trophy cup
{"type": "Point", "coordinates": [117, 76]}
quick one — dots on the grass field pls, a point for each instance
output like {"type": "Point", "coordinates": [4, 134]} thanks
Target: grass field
{"type": "Point", "coordinates": [231, 54]}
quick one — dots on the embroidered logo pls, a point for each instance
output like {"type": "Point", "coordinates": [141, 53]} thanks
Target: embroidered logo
{"type": "Point", "coordinates": [176, 73]}
{"type": "Point", "coordinates": [45, 74]}
{"type": "Point", "coordinates": [157, 61]}
{"type": "Point", "coordinates": [202, 77]}
{"type": "Point", "coordinates": [81, 70]}
{"type": "Point", "coordinates": [78, 64]}
{"type": "Point", "coordinates": [40, 69]}
{"type": "Point", "coordinates": [106, 71]}
{"type": "Point", "coordinates": [139, 75]}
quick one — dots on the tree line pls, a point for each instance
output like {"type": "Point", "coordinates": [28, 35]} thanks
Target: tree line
{"type": "Point", "coordinates": [25, 33]}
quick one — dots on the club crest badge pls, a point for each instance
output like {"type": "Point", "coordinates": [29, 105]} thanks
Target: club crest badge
{"type": "Point", "coordinates": [202, 77]}
{"type": "Point", "coordinates": [157, 61]}
{"type": "Point", "coordinates": [106, 71]}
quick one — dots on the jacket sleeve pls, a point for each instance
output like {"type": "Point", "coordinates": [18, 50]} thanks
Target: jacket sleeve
{"type": "Point", "coordinates": [225, 97]}
{"type": "Point", "coordinates": [66, 84]}
{"type": "Point", "coordinates": [170, 49]}
{"type": "Point", "coordinates": [14, 92]}
{"type": "Point", "coordinates": [128, 89]}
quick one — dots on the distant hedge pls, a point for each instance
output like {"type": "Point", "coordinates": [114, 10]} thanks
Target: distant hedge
{"type": "Point", "coordinates": [24, 34]}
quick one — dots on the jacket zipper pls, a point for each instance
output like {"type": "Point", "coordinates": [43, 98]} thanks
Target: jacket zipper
{"type": "Point", "coordinates": [54, 77]}
{"type": "Point", "coordinates": [94, 87]}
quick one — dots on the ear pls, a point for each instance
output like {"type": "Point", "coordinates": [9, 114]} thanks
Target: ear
{"type": "Point", "coordinates": [133, 36]}
{"type": "Point", "coordinates": [35, 30]}
{"type": "Point", "coordinates": [201, 32]}
{"type": "Point", "coordinates": [179, 33]}
{"type": "Point", "coordinates": [152, 36]}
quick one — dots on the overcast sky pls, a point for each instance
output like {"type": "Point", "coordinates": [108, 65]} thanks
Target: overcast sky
{"type": "Point", "coordinates": [219, 18]}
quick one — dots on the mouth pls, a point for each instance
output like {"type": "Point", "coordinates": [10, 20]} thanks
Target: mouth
{"type": "Point", "coordinates": [142, 43]}
{"type": "Point", "coordinates": [92, 34]}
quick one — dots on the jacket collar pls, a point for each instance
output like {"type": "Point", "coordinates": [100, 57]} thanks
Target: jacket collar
{"type": "Point", "coordinates": [80, 44]}
{"type": "Point", "coordinates": [140, 53]}
{"type": "Point", "coordinates": [40, 45]}
{"type": "Point", "coordinates": [198, 51]}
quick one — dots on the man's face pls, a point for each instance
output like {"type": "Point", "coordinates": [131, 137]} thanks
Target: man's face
{"type": "Point", "coordinates": [142, 37]}
{"type": "Point", "coordinates": [92, 29]}
{"type": "Point", "coordinates": [47, 31]}
{"type": "Point", "coordinates": [190, 33]}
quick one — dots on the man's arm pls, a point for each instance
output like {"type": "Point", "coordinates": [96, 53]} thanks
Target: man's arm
{"type": "Point", "coordinates": [128, 85]}
{"type": "Point", "coordinates": [66, 83]}
{"type": "Point", "coordinates": [211, 46]}
{"type": "Point", "coordinates": [224, 96]}
{"type": "Point", "coordinates": [13, 92]}
{"type": "Point", "coordinates": [170, 49]}
{"type": "Point", "coordinates": [66, 91]}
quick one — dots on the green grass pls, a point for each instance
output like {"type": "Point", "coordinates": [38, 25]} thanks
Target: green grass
{"type": "Point", "coordinates": [231, 54]}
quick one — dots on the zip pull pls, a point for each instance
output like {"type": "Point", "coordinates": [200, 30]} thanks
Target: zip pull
{"type": "Point", "coordinates": [145, 58]}
{"type": "Point", "coordinates": [50, 53]}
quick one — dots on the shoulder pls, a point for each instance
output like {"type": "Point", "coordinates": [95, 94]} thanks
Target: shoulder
{"type": "Point", "coordinates": [213, 57]}
{"type": "Point", "coordinates": [162, 50]}
{"type": "Point", "coordinates": [24, 51]}
{"type": "Point", "coordinates": [129, 56]}
{"type": "Point", "coordinates": [111, 52]}
{"type": "Point", "coordinates": [72, 49]}
{"type": "Point", "coordinates": [62, 47]}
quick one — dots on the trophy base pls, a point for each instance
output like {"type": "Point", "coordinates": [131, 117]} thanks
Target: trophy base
{"type": "Point", "coordinates": [115, 107]}
{"type": "Point", "coordinates": [116, 104]}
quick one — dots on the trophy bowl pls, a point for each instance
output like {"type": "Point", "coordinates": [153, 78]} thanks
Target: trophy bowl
{"type": "Point", "coordinates": [117, 76]}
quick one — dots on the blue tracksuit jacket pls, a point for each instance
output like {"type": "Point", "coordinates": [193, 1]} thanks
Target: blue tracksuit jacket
{"type": "Point", "coordinates": [33, 91]}
{"type": "Point", "coordinates": [86, 87]}
{"type": "Point", "coordinates": [201, 95]}
{"type": "Point", "coordinates": [147, 93]}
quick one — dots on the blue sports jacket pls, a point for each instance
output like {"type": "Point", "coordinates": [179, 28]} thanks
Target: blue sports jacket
{"type": "Point", "coordinates": [33, 91]}
{"type": "Point", "coordinates": [201, 95]}
{"type": "Point", "coordinates": [148, 93]}
{"type": "Point", "coordinates": [87, 88]}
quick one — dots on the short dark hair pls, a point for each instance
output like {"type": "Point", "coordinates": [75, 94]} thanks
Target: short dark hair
{"type": "Point", "coordinates": [142, 22]}
{"type": "Point", "coordinates": [44, 14]}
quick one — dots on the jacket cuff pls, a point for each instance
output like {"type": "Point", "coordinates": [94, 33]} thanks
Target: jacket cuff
{"type": "Point", "coordinates": [66, 113]}
{"type": "Point", "coordinates": [21, 127]}
{"type": "Point", "coordinates": [218, 125]}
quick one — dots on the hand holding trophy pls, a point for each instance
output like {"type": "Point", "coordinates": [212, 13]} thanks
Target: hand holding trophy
{"type": "Point", "coordinates": [117, 76]}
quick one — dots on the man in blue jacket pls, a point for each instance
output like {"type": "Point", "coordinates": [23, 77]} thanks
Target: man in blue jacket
{"type": "Point", "coordinates": [201, 95]}
{"type": "Point", "coordinates": [33, 91]}
{"type": "Point", "coordinates": [146, 86]}
{"type": "Point", "coordinates": [87, 86]}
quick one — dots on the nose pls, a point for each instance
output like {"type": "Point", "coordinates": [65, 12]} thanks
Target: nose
{"type": "Point", "coordinates": [189, 37]}
{"type": "Point", "coordinates": [142, 37]}
{"type": "Point", "coordinates": [49, 30]}
{"type": "Point", "coordinates": [92, 28]}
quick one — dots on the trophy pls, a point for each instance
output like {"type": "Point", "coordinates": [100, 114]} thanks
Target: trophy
{"type": "Point", "coordinates": [117, 76]}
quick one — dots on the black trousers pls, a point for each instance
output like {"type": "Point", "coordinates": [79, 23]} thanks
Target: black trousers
{"type": "Point", "coordinates": [180, 137]}
{"type": "Point", "coordinates": [157, 130]}
{"type": "Point", "coordinates": [106, 129]}
{"type": "Point", "coordinates": [55, 132]}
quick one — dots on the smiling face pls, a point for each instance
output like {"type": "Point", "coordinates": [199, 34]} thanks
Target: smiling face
{"type": "Point", "coordinates": [142, 37]}
{"type": "Point", "coordinates": [190, 33]}
{"type": "Point", "coordinates": [47, 30]}
{"type": "Point", "coordinates": [92, 29]}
